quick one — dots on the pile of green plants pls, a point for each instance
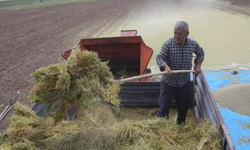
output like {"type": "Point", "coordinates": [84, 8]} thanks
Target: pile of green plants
{"type": "Point", "coordinates": [101, 129]}
{"type": "Point", "coordinates": [84, 82]}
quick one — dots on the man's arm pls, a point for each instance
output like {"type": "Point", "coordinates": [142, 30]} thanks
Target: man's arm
{"type": "Point", "coordinates": [197, 68]}
{"type": "Point", "coordinates": [199, 59]}
{"type": "Point", "coordinates": [161, 59]}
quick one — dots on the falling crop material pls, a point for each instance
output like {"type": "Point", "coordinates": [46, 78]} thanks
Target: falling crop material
{"type": "Point", "coordinates": [82, 82]}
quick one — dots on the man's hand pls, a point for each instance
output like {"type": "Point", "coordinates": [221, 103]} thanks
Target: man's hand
{"type": "Point", "coordinates": [197, 68]}
{"type": "Point", "coordinates": [169, 71]}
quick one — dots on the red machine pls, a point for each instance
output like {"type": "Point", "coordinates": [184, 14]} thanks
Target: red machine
{"type": "Point", "coordinates": [127, 52]}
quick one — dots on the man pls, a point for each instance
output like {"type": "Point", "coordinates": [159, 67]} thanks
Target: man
{"type": "Point", "coordinates": [176, 54]}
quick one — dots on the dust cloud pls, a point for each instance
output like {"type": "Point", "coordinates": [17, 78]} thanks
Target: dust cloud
{"type": "Point", "coordinates": [223, 35]}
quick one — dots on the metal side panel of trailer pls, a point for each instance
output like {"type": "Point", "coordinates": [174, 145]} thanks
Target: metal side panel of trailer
{"type": "Point", "coordinates": [206, 107]}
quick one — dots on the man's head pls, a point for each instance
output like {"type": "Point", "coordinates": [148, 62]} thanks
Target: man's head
{"type": "Point", "coordinates": [181, 31]}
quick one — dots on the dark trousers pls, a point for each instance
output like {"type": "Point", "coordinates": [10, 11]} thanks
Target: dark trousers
{"type": "Point", "coordinates": [167, 93]}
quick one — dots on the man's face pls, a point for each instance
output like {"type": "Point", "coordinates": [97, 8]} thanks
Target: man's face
{"type": "Point", "coordinates": [180, 35]}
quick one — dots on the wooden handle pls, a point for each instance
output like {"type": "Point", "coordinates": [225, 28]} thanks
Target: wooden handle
{"type": "Point", "coordinates": [152, 74]}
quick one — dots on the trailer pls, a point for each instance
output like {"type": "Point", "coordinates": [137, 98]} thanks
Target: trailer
{"type": "Point", "coordinates": [129, 53]}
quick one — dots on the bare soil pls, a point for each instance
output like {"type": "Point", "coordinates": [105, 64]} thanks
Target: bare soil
{"type": "Point", "coordinates": [34, 38]}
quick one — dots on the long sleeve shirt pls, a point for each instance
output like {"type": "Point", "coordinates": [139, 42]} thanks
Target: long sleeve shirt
{"type": "Point", "coordinates": [178, 58]}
